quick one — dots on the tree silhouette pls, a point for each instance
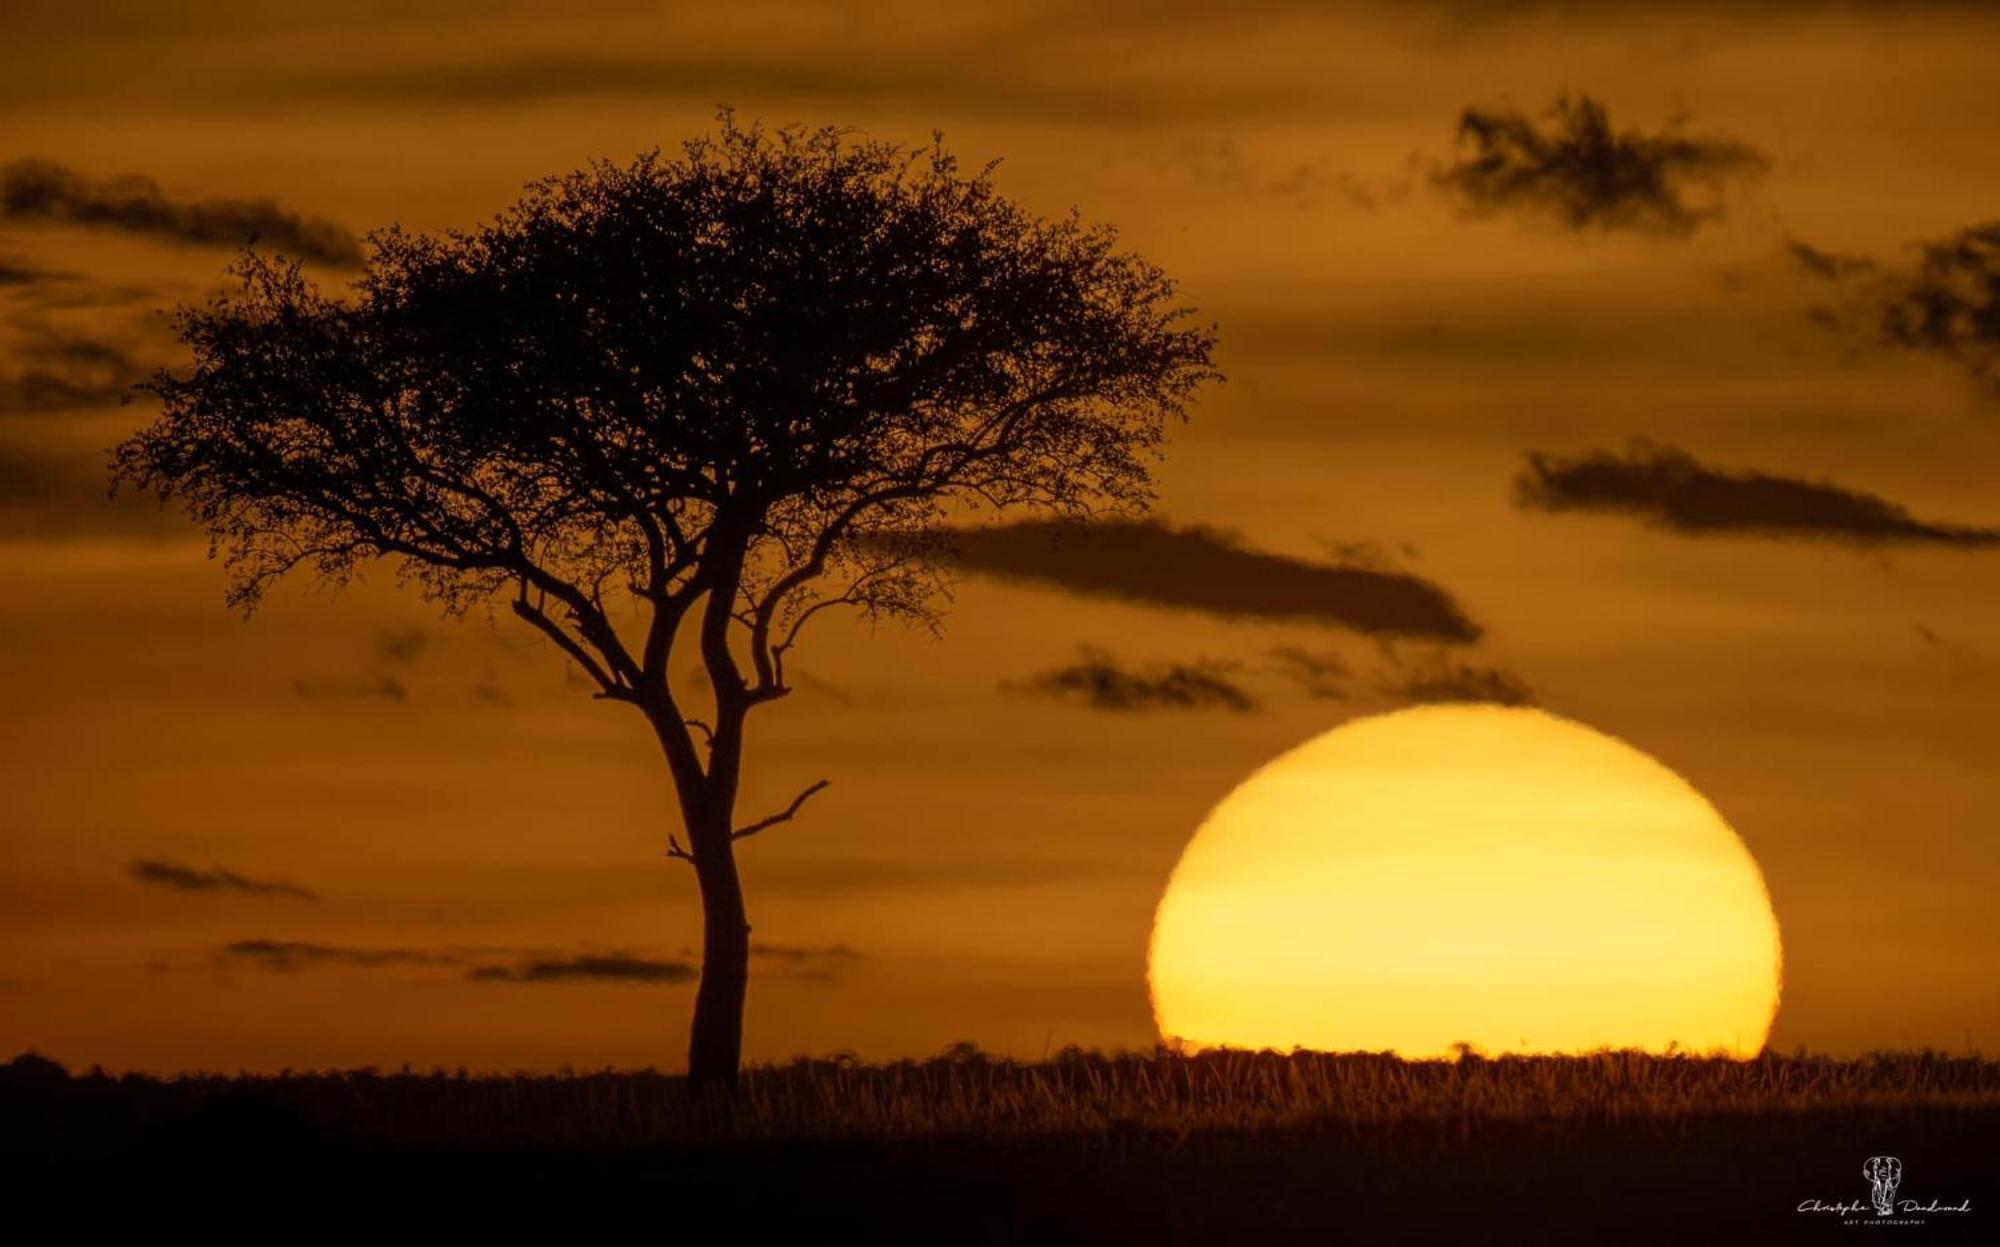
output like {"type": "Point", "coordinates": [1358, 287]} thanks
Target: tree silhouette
{"type": "Point", "coordinates": [681, 402]}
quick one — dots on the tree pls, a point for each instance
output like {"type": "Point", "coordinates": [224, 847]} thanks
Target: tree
{"type": "Point", "coordinates": [679, 403]}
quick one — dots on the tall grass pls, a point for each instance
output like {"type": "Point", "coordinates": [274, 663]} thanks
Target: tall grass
{"type": "Point", "coordinates": [965, 1093]}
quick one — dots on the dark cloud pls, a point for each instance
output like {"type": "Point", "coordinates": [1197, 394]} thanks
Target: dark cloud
{"type": "Point", "coordinates": [15, 274]}
{"type": "Point", "coordinates": [528, 966]}
{"type": "Point", "coordinates": [1098, 679]}
{"type": "Point", "coordinates": [214, 879]}
{"type": "Point", "coordinates": [614, 967]}
{"type": "Point", "coordinates": [1669, 488]}
{"type": "Point", "coordinates": [1148, 562]}
{"type": "Point", "coordinates": [297, 954]}
{"type": "Point", "coordinates": [43, 191]}
{"type": "Point", "coordinates": [1436, 676]}
{"type": "Point", "coordinates": [1400, 677]}
{"type": "Point", "coordinates": [1831, 265]}
{"type": "Point", "coordinates": [1585, 175]}
{"type": "Point", "coordinates": [1947, 304]}
{"type": "Point", "coordinates": [56, 369]}
{"type": "Point", "coordinates": [1951, 304]}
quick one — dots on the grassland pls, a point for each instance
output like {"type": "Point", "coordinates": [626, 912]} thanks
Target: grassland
{"type": "Point", "coordinates": [1154, 1148]}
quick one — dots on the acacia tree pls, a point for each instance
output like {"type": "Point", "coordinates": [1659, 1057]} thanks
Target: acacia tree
{"type": "Point", "coordinates": [688, 402]}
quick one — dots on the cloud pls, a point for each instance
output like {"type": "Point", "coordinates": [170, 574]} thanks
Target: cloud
{"type": "Point", "coordinates": [43, 191]}
{"type": "Point", "coordinates": [1951, 305]}
{"type": "Point", "coordinates": [529, 966]}
{"type": "Point", "coordinates": [49, 495]}
{"type": "Point", "coordinates": [386, 687]}
{"type": "Point", "coordinates": [1148, 562]}
{"type": "Point", "coordinates": [1831, 265]}
{"type": "Point", "coordinates": [215, 878]}
{"type": "Point", "coordinates": [1670, 489]}
{"type": "Point", "coordinates": [1585, 175]}
{"type": "Point", "coordinates": [1946, 304]}
{"type": "Point", "coordinates": [490, 693]}
{"type": "Point", "coordinates": [1103, 684]}
{"type": "Point", "coordinates": [55, 369]}
{"type": "Point", "coordinates": [403, 646]}
{"type": "Point", "coordinates": [1436, 676]}
{"type": "Point", "coordinates": [16, 274]}
{"type": "Point", "coordinates": [1401, 677]}
{"type": "Point", "coordinates": [285, 955]}
{"type": "Point", "coordinates": [1221, 164]}
{"type": "Point", "coordinates": [1322, 677]}
{"type": "Point", "coordinates": [44, 290]}
{"type": "Point", "coordinates": [821, 964]}
{"type": "Point", "coordinates": [614, 967]}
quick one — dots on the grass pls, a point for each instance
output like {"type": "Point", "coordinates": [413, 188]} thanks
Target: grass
{"type": "Point", "coordinates": [1613, 1147]}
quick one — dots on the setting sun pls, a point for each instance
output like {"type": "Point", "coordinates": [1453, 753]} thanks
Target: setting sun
{"type": "Point", "coordinates": [1469, 874]}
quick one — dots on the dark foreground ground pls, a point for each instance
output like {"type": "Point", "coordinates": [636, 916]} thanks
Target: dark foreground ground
{"type": "Point", "coordinates": [1223, 1148]}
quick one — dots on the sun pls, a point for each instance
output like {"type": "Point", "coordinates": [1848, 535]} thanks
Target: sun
{"type": "Point", "coordinates": [1466, 874]}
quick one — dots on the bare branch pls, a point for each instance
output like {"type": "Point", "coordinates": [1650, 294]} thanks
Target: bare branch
{"type": "Point", "coordinates": [674, 850]}
{"type": "Point", "coordinates": [783, 816]}
{"type": "Point", "coordinates": [608, 688]}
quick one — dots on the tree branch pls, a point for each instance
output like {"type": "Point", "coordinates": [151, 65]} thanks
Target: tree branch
{"type": "Point", "coordinates": [607, 686]}
{"type": "Point", "coordinates": [783, 816]}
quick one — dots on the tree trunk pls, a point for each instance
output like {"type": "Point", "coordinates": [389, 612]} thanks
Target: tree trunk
{"type": "Point", "coordinates": [715, 1045]}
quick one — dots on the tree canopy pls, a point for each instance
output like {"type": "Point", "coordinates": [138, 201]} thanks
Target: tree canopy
{"type": "Point", "coordinates": [703, 376]}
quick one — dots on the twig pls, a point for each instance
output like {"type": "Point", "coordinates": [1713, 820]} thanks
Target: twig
{"type": "Point", "coordinates": [784, 816]}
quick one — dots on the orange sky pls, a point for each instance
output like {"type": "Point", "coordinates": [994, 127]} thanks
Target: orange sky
{"type": "Point", "coordinates": [986, 862]}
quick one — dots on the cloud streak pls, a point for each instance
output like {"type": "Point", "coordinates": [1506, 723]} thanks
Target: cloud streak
{"type": "Point", "coordinates": [56, 495]}
{"type": "Point", "coordinates": [59, 370]}
{"type": "Point", "coordinates": [288, 955]}
{"type": "Point", "coordinates": [1102, 683]}
{"type": "Point", "coordinates": [1670, 489]}
{"type": "Point", "coordinates": [42, 191]}
{"type": "Point", "coordinates": [1149, 563]}
{"type": "Point", "coordinates": [1579, 172]}
{"type": "Point", "coordinates": [1429, 678]}
{"type": "Point", "coordinates": [214, 879]}
{"type": "Point", "coordinates": [539, 966]}
{"type": "Point", "coordinates": [812, 964]}
{"type": "Point", "coordinates": [601, 967]}
{"type": "Point", "coordinates": [1402, 677]}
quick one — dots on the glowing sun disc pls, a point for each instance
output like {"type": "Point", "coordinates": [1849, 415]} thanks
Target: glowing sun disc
{"type": "Point", "coordinates": [1470, 874]}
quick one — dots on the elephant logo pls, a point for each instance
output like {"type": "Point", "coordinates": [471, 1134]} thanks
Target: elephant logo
{"type": "Point", "coordinates": [1884, 1173]}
